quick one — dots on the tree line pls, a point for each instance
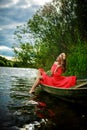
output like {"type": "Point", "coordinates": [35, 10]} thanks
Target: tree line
{"type": "Point", "coordinates": [4, 62]}
{"type": "Point", "coordinates": [59, 26]}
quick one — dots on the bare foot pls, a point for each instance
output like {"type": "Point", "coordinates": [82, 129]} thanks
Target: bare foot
{"type": "Point", "coordinates": [31, 91]}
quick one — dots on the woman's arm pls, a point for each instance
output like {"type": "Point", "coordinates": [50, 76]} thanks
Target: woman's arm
{"type": "Point", "coordinates": [58, 65]}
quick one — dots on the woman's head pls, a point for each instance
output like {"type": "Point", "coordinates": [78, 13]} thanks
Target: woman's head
{"type": "Point", "coordinates": [61, 57]}
{"type": "Point", "coordinates": [62, 60]}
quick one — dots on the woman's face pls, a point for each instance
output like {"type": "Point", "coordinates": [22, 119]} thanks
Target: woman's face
{"type": "Point", "coordinates": [62, 56]}
{"type": "Point", "coordinates": [59, 58]}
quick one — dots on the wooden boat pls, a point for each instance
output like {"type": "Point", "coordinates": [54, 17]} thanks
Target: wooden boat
{"type": "Point", "coordinates": [75, 93]}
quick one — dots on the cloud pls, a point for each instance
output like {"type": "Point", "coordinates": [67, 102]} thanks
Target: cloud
{"type": "Point", "coordinates": [41, 2]}
{"type": "Point", "coordinates": [6, 51]}
{"type": "Point", "coordinates": [5, 48]}
{"type": "Point", "coordinates": [14, 13]}
{"type": "Point", "coordinates": [22, 3]}
{"type": "Point", "coordinates": [8, 3]}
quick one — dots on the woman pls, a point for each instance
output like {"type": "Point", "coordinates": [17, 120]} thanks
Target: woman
{"type": "Point", "coordinates": [56, 79]}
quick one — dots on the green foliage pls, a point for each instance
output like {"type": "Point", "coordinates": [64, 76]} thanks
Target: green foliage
{"type": "Point", "coordinates": [42, 57]}
{"type": "Point", "coordinates": [81, 13]}
{"type": "Point", "coordinates": [25, 54]}
{"type": "Point", "coordinates": [5, 62]}
{"type": "Point", "coordinates": [54, 28]}
{"type": "Point", "coordinates": [77, 59]}
{"type": "Point", "coordinates": [2, 63]}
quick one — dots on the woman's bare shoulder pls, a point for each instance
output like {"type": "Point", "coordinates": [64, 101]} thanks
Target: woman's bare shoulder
{"type": "Point", "coordinates": [55, 62]}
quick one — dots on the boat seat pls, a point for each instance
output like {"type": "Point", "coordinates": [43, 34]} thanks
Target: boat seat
{"type": "Point", "coordinates": [80, 85]}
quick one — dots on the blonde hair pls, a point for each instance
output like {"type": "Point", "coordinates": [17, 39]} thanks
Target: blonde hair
{"type": "Point", "coordinates": [63, 61]}
{"type": "Point", "coordinates": [64, 65]}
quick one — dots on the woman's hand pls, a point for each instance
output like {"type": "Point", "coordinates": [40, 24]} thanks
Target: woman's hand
{"type": "Point", "coordinates": [49, 73]}
{"type": "Point", "coordinates": [56, 68]}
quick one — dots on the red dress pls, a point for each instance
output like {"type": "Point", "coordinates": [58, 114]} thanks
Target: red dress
{"type": "Point", "coordinates": [56, 79]}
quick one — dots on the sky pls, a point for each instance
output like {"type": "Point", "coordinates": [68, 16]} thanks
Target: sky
{"type": "Point", "coordinates": [12, 14]}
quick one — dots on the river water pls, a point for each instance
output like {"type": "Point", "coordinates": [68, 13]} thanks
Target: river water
{"type": "Point", "coordinates": [42, 111]}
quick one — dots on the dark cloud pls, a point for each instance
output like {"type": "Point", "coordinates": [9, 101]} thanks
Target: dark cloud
{"type": "Point", "coordinates": [4, 2]}
{"type": "Point", "coordinates": [12, 14]}
{"type": "Point", "coordinates": [6, 52]}
{"type": "Point", "coordinates": [16, 13]}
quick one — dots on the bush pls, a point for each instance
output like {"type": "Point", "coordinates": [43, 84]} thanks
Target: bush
{"type": "Point", "coordinates": [77, 60]}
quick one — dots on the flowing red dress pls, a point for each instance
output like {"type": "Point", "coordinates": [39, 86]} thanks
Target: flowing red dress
{"type": "Point", "coordinates": [56, 79]}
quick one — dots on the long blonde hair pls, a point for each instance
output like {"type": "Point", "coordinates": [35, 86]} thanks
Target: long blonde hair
{"type": "Point", "coordinates": [62, 60]}
{"type": "Point", "coordinates": [64, 65]}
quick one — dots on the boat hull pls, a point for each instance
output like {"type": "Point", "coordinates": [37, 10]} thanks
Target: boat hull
{"type": "Point", "coordinates": [78, 92]}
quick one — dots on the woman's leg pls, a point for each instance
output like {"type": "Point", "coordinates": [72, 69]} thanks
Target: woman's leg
{"type": "Point", "coordinates": [36, 83]}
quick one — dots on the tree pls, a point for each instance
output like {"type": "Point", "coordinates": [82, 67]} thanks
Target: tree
{"type": "Point", "coordinates": [55, 24]}
{"type": "Point", "coordinates": [5, 62]}
{"type": "Point", "coordinates": [25, 54]}
{"type": "Point", "coordinates": [53, 29]}
{"type": "Point", "coordinates": [81, 13]}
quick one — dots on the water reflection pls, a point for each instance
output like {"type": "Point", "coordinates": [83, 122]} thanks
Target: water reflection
{"type": "Point", "coordinates": [14, 87]}
{"type": "Point", "coordinates": [60, 114]}
{"type": "Point", "coordinates": [41, 111]}
{"type": "Point", "coordinates": [19, 94]}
